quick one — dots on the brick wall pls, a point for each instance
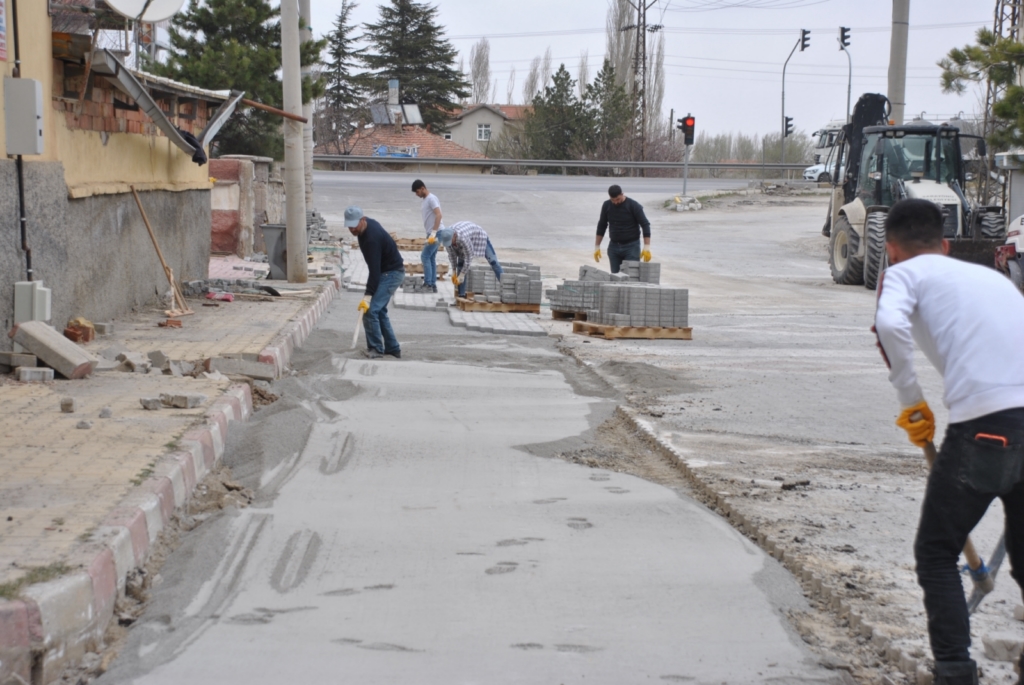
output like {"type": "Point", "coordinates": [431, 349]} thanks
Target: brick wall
{"type": "Point", "coordinates": [104, 108]}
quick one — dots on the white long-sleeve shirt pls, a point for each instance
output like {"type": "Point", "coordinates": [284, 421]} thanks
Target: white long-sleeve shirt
{"type": "Point", "coordinates": [967, 319]}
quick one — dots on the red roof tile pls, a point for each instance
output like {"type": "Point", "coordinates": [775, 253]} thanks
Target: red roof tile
{"type": "Point", "coordinates": [365, 141]}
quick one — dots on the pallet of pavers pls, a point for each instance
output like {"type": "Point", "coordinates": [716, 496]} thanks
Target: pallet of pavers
{"type": "Point", "coordinates": [610, 332]}
{"type": "Point", "coordinates": [467, 304]}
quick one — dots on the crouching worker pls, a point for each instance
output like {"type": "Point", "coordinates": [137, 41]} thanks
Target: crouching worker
{"type": "Point", "coordinates": [387, 271]}
{"type": "Point", "coordinates": [969, 322]}
{"type": "Point", "coordinates": [464, 241]}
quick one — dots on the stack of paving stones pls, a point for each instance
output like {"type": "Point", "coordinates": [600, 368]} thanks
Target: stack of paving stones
{"type": "Point", "coordinates": [500, 323]}
{"type": "Point", "coordinates": [641, 305]}
{"type": "Point", "coordinates": [520, 284]}
{"type": "Point", "coordinates": [642, 272]}
{"type": "Point", "coordinates": [220, 285]}
{"type": "Point", "coordinates": [575, 296]}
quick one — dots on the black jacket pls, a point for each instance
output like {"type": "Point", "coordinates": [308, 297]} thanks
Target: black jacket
{"type": "Point", "coordinates": [626, 220]}
{"type": "Point", "coordinates": [380, 252]}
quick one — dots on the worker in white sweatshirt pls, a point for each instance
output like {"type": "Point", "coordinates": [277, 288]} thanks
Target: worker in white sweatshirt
{"type": "Point", "coordinates": [969, 321]}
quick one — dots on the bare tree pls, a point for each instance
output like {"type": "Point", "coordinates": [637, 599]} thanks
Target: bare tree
{"type": "Point", "coordinates": [545, 69]}
{"type": "Point", "coordinates": [511, 85]}
{"type": "Point", "coordinates": [494, 96]}
{"type": "Point", "coordinates": [462, 71]}
{"type": "Point", "coordinates": [655, 86]}
{"type": "Point", "coordinates": [583, 75]}
{"type": "Point", "coordinates": [480, 70]}
{"type": "Point", "coordinates": [619, 45]}
{"type": "Point", "coordinates": [532, 84]}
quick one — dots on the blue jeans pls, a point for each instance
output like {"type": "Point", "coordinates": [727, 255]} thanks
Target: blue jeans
{"type": "Point", "coordinates": [492, 258]}
{"type": "Point", "coordinates": [620, 252]}
{"type": "Point", "coordinates": [429, 258]}
{"type": "Point", "coordinates": [379, 334]}
{"type": "Point", "coordinates": [967, 475]}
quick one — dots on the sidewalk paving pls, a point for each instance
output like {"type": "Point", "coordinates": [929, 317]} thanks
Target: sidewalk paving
{"type": "Point", "coordinates": [84, 498]}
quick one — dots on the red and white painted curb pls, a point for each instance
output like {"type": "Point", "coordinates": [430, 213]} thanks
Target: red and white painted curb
{"type": "Point", "coordinates": [53, 624]}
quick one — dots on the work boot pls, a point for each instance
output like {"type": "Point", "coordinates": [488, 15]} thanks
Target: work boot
{"type": "Point", "coordinates": [956, 673]}
{"type": "Point", "coordinates": [397, 354]}
{"type": "Point", "coordinates": [372, 354]}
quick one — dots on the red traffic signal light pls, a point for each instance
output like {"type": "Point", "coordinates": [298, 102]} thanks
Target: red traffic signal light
{"type": "Point", "coordinates": [688, 122]}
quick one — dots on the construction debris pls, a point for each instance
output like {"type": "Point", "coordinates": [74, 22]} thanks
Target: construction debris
{"type": "Point", "coordinates": [151, 403]}
{"type": "Point", "coordinates": [106, 413]}
{"type": "Point", "coordinates": [170, 323]}
{"type": "Point", "coordinates": [84, 425]}
{"type": "Point", "coordinates": [104, 329]}
{"type": "Point", "coordinates": [29, 374]}
{"type": "Point", "coordinates": [42, 340]}
{"type": "Point", "coordinates": [134, 362]}
{"type": "Point", "coordinates": [80, 330]}
{"type": "Point", "coordinates": [182, 401]}
{"type": "Point", "coordinates": [12, 360]}
{"type": "Point", "coordinates": [68, 405]}
{"type": "Point", "coordinates": [241, 367]}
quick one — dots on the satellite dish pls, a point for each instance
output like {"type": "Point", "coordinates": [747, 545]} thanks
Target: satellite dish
{"type": "Point", "coordinates": [151, 10]}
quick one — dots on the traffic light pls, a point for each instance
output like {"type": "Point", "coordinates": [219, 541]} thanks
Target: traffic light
{"type": "Point", "coordinates": [805, 39]}
{"type": "Point", "coordinates": [688, 123]}
{"type": "Point", "coordinates": [789, 126]}
{"type": "Point", "coordinates": [844, 37]}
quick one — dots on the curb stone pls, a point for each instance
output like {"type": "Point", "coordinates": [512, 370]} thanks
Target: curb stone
{"type": "Point", "coordinates": [53, 624]}
{"type": "Point", "coordinates": [813, 584]}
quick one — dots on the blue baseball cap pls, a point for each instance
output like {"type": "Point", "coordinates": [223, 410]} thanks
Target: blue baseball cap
{"type": "Point", "coordinates": [445, 236]}
{"type": "Point", "coordinates": [352, 216]}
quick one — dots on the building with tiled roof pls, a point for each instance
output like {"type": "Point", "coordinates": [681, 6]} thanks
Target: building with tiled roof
{"type": "Point", "coordinates": [477, 125]}
{"type": "Point", "coordinates": [413, 142]}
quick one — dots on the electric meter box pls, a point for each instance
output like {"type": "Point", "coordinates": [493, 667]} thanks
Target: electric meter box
{"type": "Point", "coordinates": [23, 113]}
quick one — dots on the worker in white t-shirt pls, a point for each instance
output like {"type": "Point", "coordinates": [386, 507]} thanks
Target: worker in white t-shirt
{"type": "Point", "coordinates": [431, 211]}
{"type": "Point", "coordinates": [969, 322]}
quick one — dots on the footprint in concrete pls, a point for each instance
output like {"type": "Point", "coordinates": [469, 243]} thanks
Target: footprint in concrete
{"type": "Point", "coordinates": [577, 649]}
{"type": "Point", "coordinates": [346, 641]}
{"type": "Point", "coordinates": [527, 646]}
{"type": "Point", "coordinates": [343, 592]}
{"type": "Point", "coordinates": [469, 554]}
{"type": "Point", "coordinates": [368, 370]}
{"type": "Point", "coordinates": [580, 524]}
{"type": "Point", "coordinates": [617, 490]}
{"type": "Point", "coordinates": [678, 678]}
{"type": "Point", "coordinates": [380, 587]}
{"type": "Point", "coordinates": [502, 567]}
{"type": "Point", "coordinates": [600, 477]}
{"type": "Point", "coordinates": [549, 500]}
{"type": "Point", "coordinates": [251, 619]}
{"type": "Point", "coordinates": [387, 647]}
{"type": "Point", "coordinates": [295, 560]}
{"type": "Point", "coordinates": [510, 543]}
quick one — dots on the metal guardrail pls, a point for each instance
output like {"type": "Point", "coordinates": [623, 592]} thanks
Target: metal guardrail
{"type": "Point", "coordinates": [560, 164]}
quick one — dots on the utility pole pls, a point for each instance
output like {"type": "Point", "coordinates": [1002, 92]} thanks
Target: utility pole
{"type": "Point", "coordinates": [803, 42]}
{"type": "Point", "coordinates": [640, 70]}
{"type": "Point", "coordinates": [898, 59]}
{"type": "Point", "coordinates": [306, 35]}
{"type": "Point", "coordinates": [844, 42]}
{"type": "Point", "coordinates": [294, 191]}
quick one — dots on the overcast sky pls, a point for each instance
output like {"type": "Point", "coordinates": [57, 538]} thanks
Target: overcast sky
{"type": "Point", "coordinates": [723, 62]}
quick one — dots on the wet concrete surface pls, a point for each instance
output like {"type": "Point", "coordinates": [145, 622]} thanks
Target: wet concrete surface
{"type": "Point", "coordinates": [403, 532]}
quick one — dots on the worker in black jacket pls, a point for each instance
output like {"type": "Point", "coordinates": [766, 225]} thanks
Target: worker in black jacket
{"type": "Point", "coordinates": [626, 218]}
{"type": "Point", "coordinates": [387, 271]}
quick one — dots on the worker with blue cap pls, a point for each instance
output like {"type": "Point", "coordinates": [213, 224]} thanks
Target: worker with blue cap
{"type": "Point", "coordinates": [464, 241]}
{"type": "Point", "coordinates": [387, 271]}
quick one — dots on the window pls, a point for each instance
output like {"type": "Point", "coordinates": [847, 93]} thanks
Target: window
{"type": "Point", "coordinates": [483, 131]}
{"type": "Point", "coordinates": [447, 136]}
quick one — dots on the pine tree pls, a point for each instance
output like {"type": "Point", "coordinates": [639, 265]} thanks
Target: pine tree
{"type": "Point", "coordinates": [610, 113]}
{"type": "Point", "coordinates": [407, 44]}
{"type": "Point", "coordinates": [559, 127]}
{"type": "Point", "coordinates": [340, 90]}
{"type": "Point", "coordinates": [232, 44]}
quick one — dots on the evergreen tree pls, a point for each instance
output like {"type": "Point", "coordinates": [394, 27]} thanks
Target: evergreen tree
{"type": "Point", "coordinates": [407, 44]}
{"type": "Point", "coordinates": [610, 113]}
{"type": "Point", "coordinates": [232, 44]}
{"type": "Point", "coordinates": [340, 90]}
{"type": "Point", "coordinates": [236, 45]}
{"type": "Point", "coordinates": [560, 126]}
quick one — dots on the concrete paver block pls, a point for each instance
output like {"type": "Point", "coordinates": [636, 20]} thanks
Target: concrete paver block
{"type": "Point", "coordinates": [104, 328]}
{"type": "Point", "coordinates": [106, 413]}
{"type": "Point", "coordinates": [135, 362]}
{"type": "Point", "coordinates": [1003, 646]}
{"type": "Point", "coordinates": [15, 359]}
{"type": "Point", "coordinates": [150, 403]}
{"type": "Point", "coordinates": [182, 401]}
{"type": "Point", "coordinates": [64, 356]}
{"type": "Point", "coordinates": [84, 425]}
{"type": "Point", "coordinates": [241, 367]}
{"type": "Point", "coordinates": [68, 405]}
{"type": "Point", "coordinates": [34, 374]}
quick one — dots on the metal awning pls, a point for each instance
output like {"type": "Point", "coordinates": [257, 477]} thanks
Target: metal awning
{"type": "Point", "coordinates": [105, 64]}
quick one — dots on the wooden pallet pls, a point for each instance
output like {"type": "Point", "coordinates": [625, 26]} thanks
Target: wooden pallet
{"type": "Point", "coordinates": [567, 315]}
{"type": "Point", "coordinates": [607, 332]}
{"type": "Point", "coordinates": [470, 305]}
{"type": "Point", "coordinates": [442, 269]}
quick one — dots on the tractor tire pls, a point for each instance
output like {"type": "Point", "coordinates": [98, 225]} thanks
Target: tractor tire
{"type": "Point", "coordinates": [993, 226]}
{"type": "Point", "coordinates": [824, 177]}
{"type": "Point", "coordinates": [847, 268]}
{"type": "Point", "coordinates": [875, 261]}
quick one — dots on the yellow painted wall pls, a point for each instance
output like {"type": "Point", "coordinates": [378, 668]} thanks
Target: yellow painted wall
{"type": "Point", "coordinates": [92, 167]}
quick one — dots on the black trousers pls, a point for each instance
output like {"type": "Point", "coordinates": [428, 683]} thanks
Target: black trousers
{"type": "Point", "coordinates": [970, 471]}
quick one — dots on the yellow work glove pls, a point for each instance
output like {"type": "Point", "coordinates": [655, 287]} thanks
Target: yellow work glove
{"type": "Point", "coordinates": [919, 422]}
{"type": "Point", "coordinates": [645, 255]}
{"type": "Point", "coordinates": [597, 255]}
{"type": "Point", "coordinates": [432, 238]}
{"type": "Point", "coordinates": [455, 280]}
{"type": "Point", "coordinates": [364, 305]}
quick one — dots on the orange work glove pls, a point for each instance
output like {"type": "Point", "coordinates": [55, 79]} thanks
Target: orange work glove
{"type": "Point", "coordinates": [919, 422]}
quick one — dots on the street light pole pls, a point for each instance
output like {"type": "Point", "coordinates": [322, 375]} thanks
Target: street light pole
{"type": "Point", "coordinates": [795, 45]}
{"type": "Point", "coordinates": [844, 41]}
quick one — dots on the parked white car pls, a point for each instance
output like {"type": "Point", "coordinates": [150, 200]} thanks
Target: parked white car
{"type": "Point", "coordinates": [817, 173]}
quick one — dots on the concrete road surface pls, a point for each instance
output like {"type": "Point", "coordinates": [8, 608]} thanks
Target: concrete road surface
{"type": "Point", "coordinates": [407, 530]}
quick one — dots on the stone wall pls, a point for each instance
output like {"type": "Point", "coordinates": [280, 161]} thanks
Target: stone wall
{"type": "Point", "coordinates": [94, 252]}
{"type": "Point", "coordinates": [267, 195]}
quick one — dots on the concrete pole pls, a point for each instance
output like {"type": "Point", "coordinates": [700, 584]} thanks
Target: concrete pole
{"type": "Point", "coordinates": [306, 35]}
{"type": "Point", "coordinates": [294, 191]}
{"type": "Point", "coordinates": [898, 59]}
